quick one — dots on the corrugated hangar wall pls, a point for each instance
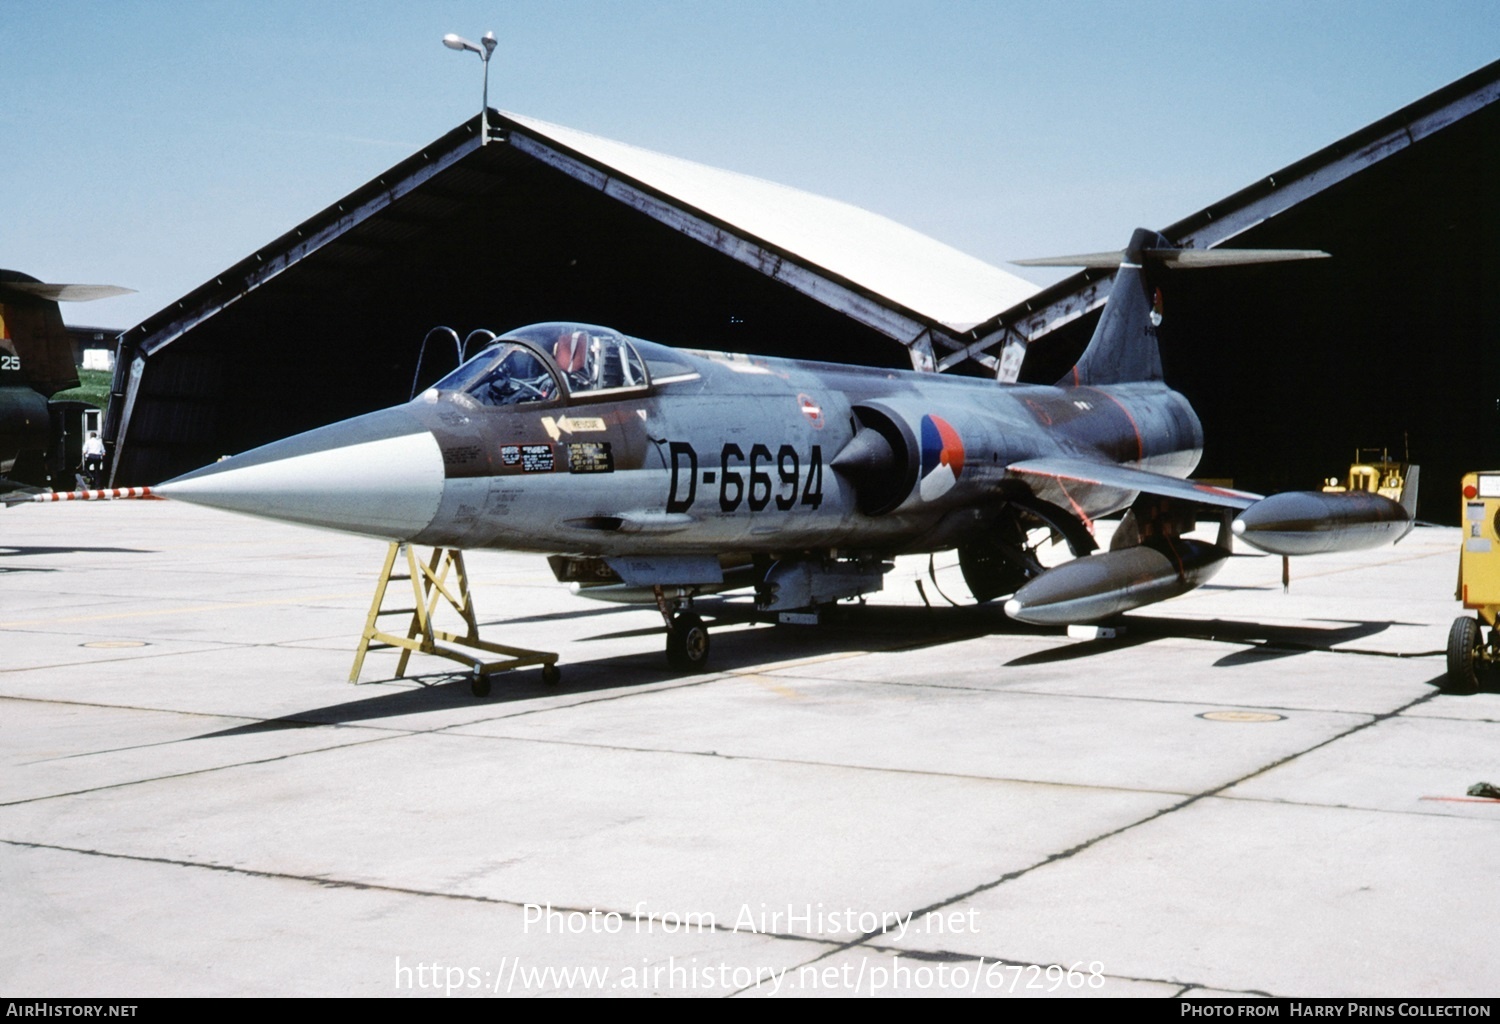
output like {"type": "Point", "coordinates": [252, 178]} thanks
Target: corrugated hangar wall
{"type": "Point", "coordinates": [1391, 343]}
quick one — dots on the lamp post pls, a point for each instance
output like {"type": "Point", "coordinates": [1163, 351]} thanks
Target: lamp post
{"type": "Point", "coordinates": [456, 42]}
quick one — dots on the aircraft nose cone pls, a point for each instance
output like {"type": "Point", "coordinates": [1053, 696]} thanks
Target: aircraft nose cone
{"type": "Point", "coordinates": [379, 474]}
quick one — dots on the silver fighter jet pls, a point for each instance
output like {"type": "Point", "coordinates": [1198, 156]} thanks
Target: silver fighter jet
{"type": "Point", "coordinates": [657, 474]}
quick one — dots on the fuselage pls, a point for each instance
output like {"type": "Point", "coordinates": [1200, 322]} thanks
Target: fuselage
{"type": "Point", "coordinates": [660, 450]}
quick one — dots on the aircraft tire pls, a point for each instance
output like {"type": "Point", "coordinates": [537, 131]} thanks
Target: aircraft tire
{"type": "Point", "coordinates": [687, 643]}
{"type": "Point", "coordinates": [551, 675]}
{"type": "Point", "coordinates": [479, 686]}
{"type": "Point", "coordinates": [1463, 655]}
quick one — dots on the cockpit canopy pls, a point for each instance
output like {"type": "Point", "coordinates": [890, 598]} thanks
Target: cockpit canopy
{"type": "Point", "coordinates": [591, 358]}
{"type": "Point", "coordinates": [512, 371]}
{"type": "Point", "coordinates": [505, 373]}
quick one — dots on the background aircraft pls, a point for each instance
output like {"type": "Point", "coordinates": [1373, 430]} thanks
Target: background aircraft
{"type": "Point", "coordinates": [657, 474]}
{"type": "Point", "coordinates": [36, 362]}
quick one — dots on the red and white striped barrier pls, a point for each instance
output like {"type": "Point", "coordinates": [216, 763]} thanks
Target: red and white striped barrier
{"type": "Point", "coordinates": [112, 494]}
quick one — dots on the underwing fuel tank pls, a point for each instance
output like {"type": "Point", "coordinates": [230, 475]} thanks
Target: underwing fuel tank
{"type": "Point", "coordinates": [1315, 523]}
{"type": "Point", "coordinates": [1098, 586]}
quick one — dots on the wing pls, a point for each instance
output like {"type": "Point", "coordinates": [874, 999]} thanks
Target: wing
{"type": "Point", "coordinates": [1126, 479]}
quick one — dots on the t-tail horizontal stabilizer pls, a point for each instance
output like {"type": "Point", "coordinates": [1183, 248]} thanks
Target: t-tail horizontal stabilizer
{"type": "Point", "coordinates": [1187, 259]}
{"type": "Point", "coordinates": [66, 292]}
{"type": "Point", "coordinates": [1123, 349]}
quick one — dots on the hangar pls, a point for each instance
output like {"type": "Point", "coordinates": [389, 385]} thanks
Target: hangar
{"type": "Point", "coordinates": [525, 222]}
{"type": "Point", "coordinates": [507, 220]}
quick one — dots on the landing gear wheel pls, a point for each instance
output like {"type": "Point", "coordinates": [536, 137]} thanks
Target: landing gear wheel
{"type": "Point", "coordinates": [551, 675]}
{"type": "Point", "coordinates": [1464, 656]}
{"type": "Point", "coordinates": [479, 686]}
{"type": "Point", "coordinates": [687, 643]}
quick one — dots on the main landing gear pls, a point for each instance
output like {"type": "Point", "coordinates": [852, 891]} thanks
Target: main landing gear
{"type": "Point", "coordinates": [687, 636]}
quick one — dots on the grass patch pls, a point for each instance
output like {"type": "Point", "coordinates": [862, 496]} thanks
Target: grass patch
{"type": "Point", "coordinates": [93, 388]}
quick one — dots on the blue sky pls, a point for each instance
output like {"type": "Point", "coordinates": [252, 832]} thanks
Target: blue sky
{"type": "Point", "coordinates": [153, 144]}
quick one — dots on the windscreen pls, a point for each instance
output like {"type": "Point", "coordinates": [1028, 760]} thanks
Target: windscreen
{"type": "Point", "coordinates": [503, 374]}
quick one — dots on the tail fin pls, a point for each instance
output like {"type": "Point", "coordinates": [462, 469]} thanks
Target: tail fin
{"type": "Point", "coordinates": [1123, 348]}
{"type": "Point", "coordinates": [35, 352]}
{"type": "Point", "coordinates": [34, 348]}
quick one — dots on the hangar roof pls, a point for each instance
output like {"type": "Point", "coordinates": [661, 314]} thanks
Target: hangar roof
{"type": "Point", "coordinates": [889, 259]}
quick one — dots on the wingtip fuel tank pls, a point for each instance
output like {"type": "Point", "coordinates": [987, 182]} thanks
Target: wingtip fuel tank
{"type": "Point", "coordinates": [1315, 523]}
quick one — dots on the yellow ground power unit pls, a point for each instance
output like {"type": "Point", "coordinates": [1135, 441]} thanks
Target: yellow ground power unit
{"type": "Point", "coordinates": [1469, 652]}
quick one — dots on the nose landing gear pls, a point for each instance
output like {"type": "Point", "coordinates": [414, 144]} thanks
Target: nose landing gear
{"type": "Point", "coordinates": [687, 636]}
{"type": "Point", "coordinates": [687, 643]}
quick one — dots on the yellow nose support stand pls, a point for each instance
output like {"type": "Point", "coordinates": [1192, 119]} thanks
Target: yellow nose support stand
{"type": "Point", "coordinates": [436, 580]}
{"type": "Point", "coordinates": [1478, 584]}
